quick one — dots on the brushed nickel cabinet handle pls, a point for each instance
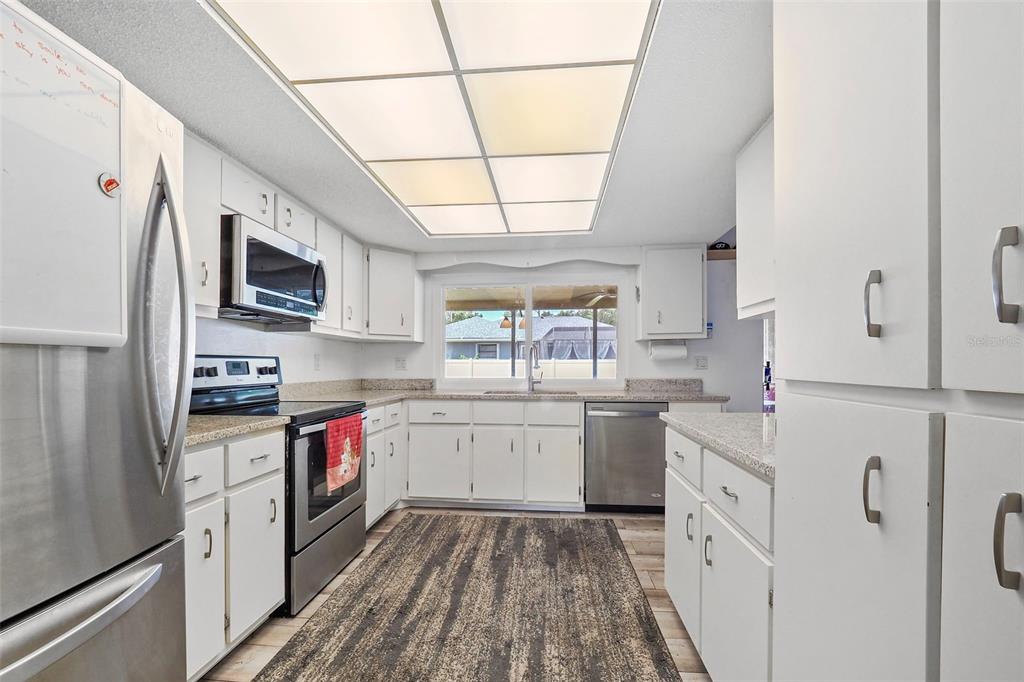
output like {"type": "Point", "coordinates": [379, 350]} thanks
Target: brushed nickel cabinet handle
{"type": "Point", "coordinates": [1007, 313]}
{"type": "Point", "coordinates": [439, 414]}
{"type": "Point", "coordinates": [874, 463]}
{"type": "Point", "coordinates": [676, 453]}
{"type": "Point", "coordinates": [208, 534]}
{"type": "Point", "coordinates": [193, 478]}
{"type": "Point", "coordinates": [458, 444]}
{"type": "Point", "coordinates": [728, 493]}
{"type": "Point", "coordinates": [403, 319]}
{"type": "Point", "coordinates": [707, 557]}
{"type": "Point", "coordinates": [206, 273]}
{"type": "Point", "coordinates": [874, 329]}
{"type": "Point", "coordinates": [288, 219]}
{"type": "Point", "coordinates": [266, 202]}
{"type": "Point", "coordinates": [659, 317]}
{"type": "Point", "coordinates": [273, 505]}
{"type": "Point", "coordinates": [391, 453]}
{"type": "Point", "coordinates": [265, 455]}
{"type": "Point", "coordinates": [348, 312]}
{"type": "Point", "coordinates": [689, 532]}
{"type": "Point", "coordinates": [1009, 503]}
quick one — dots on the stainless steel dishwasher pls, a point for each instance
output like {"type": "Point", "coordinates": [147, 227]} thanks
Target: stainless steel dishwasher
{"type": "Point", "coordinates": [624, 455]}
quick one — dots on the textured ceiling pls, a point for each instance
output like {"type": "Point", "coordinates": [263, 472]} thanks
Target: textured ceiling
{"type": "Point", "coordinates": [705, 89]}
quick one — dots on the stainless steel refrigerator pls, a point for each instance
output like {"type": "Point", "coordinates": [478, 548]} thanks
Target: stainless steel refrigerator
{"type": "Point", "coordinates": [91, 501]}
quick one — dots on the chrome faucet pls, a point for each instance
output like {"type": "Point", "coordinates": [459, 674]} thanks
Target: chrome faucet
{"type": "Point", "coordinates": [534, 363]}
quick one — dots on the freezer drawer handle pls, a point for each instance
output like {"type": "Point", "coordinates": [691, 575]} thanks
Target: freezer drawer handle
{"type": "Point", "coordinates": [689, 522]}
{"type": "Point", "coordinates": [1008, 313]}
{"type": "Point", "coordinates": [57, 647]}
{"type": "Point", "coordinates": [1009, 503]}
{"type": "Point", "coordinates": [707, 556]}
{"type": "Point", "coordinates": [874, 329]}
{"type": "Point", "coordinates": [874, 463]}
{"type": "Point", "coordinates": [208, 534]}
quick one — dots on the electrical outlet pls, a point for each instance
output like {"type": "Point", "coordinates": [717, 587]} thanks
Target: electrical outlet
{"type": "Point", "coordinates": [316, 362]}
{"type": "Point", "coordinates": [700, 361]}
{"type": "Point", "coordinates": [400, 364]}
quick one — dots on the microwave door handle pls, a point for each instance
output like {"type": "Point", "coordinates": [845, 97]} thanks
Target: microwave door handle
{"type": "Point", "coordinates": [172, 438]}
{"type": "Point", "coordinates": [317, 301]}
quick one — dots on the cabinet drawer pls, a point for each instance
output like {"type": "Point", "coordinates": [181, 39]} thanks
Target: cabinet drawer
{"type": "Point", "coordinates": [741, 495]}
{"type": "Point", "coordinates": [498, 412]}
{"type": "Point", "coordinates": [394, 414]}
{"type": "Point", "coordinates": [254, 457]}
{"type": "Point", "coordinates": [243, 192]}
{"type": "Point", "coordinates": [376, 419]}
{"type": "Point", "coordinates": [553, 414]}
{"type": "Point", "coordinates": [204, 472]}
{"type": "Point", "coordinates": [440, 412]}
{"type": "Point", "coordinates": [683, 456]}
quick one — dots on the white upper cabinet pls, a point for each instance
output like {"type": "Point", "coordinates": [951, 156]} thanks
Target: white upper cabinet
{"type": "Point", "coordinates": [293, 219]}
{"type": "Point", "coordinates": [671, 292]}
{"type": "Point", "coordinates": [202, 214]}
{"type": "Point", "coordinates": [352, 285]}
{"type": "Point", "coordinates": [983, 539]}
{"type": "Point", "coordinates": [328, 243]}
{"type": "Point", "coordinates": [857, 512]}
{"type": "Point", "coordinates": [391, 292]}
{"type": "Point", "coordinates": [247, 194]}
{"type": "Point", "coordinates": [755, 224]}
{"type": "Point", "coordinates": [856, 203]}
{"type": "Point", "coordinates": [982, 123]}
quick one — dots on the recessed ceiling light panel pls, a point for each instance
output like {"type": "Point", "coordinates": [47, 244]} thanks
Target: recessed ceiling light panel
{"type": "Point", "coordinates": [479, 118]}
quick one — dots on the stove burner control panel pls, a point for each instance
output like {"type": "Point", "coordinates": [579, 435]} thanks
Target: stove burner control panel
{"type": "Point", "coordinates": [217, 371]}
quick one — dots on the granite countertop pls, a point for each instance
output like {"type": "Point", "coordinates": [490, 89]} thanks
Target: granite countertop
{"type": "Point", "coordinates": [204, 428]}
{"type": "Point", "coordinates": [376, 392]}
{"type": "Point", "coordinates": [745, 438]}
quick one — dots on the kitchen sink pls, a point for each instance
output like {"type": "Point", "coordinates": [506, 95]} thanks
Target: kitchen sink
{"type": "Point", "coordinates": [530, 393]}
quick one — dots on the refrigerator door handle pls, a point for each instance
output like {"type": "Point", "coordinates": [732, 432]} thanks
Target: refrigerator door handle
{"type": "Point", "coordinates": [164, 191]}
{"type": "Point", "coordinates": [84, 629]}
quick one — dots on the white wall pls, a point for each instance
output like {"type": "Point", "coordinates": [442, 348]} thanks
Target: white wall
{"type": "Point", "coordinates": [299, 352]}
{"type": "Point", "coordinates": [734, 351]}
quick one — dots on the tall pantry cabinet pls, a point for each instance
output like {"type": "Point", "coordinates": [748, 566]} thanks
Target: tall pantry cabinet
{"type": "Point", "coordinates": [899, 204]}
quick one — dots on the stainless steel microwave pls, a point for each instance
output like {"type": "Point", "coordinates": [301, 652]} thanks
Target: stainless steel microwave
{"type": "Point", "coordinates": [269, 277]}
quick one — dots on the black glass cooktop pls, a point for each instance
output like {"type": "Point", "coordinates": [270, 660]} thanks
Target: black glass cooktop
{"type": "Point", "coordinates": [299, 411]}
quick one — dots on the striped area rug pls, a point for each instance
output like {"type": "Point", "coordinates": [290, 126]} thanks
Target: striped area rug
{"type": "Point", "coordinates": [465, 598]}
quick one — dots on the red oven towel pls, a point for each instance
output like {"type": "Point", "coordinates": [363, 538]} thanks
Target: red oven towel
{"type": "Point", "coordinates": [344, 450]}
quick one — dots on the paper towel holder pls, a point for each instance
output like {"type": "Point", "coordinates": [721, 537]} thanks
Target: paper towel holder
{"type": "Point", "coordinates": [665, 350]}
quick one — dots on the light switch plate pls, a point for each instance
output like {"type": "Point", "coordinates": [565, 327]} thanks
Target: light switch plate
{"type": "Point", "coordinates": [700, 361]}
{"type": "Point", "coordinates": [400, 364]}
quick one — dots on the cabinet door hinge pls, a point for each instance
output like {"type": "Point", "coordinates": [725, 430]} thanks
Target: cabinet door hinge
{"type": "Point", "coordinates": [579, 491]}
{"type": "Point", "coordinates": [471, 488]}
{"type": "Point", "coordinates": [227, 621]}
{"type": "Point", "coordinates": [771, 599]}
{"type": "Point", "coordinates": [472, 438]}
{"type": "Point", "coordinates": [407, 486]}
{"type": "Point", "coordinates": [227, 516]}
{"type": "Point", "coordinates": [581, 439]}
{"type": "Point", "coordinates": [367, 256]}
{"type": "Point", "coordinates": [638, 294]}
{"type": "Point", "coordinates": [367, 323]}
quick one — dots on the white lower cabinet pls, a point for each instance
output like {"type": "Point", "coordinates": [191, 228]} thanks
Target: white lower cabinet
{"type": "Point", "coordinates": [375, 461]}
{"type": "Point", "coordinates": [204, 570]}
{"type": "Point", "coordinates": [234, 544]}
{"type": "Point", "coordinates": [983, 616]}
{"type": "Point", "coordinates": [255, 546]}
{"type": "Point", "coordinates": [498, 463]}
{"type": "Point", "coordinates": [735, 620]}
{"type": "Point", "coordinates": [439, 458]}
{"type": "Point", "coordinates": [683, 551]}
{"type": "Point", "coordinates": [395, 470]}
{"type": "Point", "coordinates": [553, 464]}
{"type": "Point", "coordinates": [857, 509]}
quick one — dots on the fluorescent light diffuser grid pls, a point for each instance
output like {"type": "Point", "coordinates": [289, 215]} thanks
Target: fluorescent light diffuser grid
{"type": "Point", "coordinates": [478, 117]}
{"type": "Point", "coordinates": [502, 34]}
{"type": "Point", "coordinates": [449, 181]}
{"type": "Point", "coordinates": [549, 178]}
{"type": "Point", "coordinates": [308, 40]}
{"type": "Point", "coordinates": [547, 111]}
{"type": "Point", "coordinates": [462, 220]}
{"type": "Point", "coordinates": [397, 118]}
{"type": "Point", "coordinates": [555, 217]}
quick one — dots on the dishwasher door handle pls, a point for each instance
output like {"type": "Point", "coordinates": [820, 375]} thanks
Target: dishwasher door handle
{"type": "Point", "coordinates": [610, 413]}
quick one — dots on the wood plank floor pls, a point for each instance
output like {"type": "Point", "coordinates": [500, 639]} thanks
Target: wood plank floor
{"type": "Point", "coordinates": [642, 535]}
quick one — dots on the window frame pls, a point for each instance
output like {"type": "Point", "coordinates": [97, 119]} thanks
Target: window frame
{"type": "Point", "coordinates": [528, 280]}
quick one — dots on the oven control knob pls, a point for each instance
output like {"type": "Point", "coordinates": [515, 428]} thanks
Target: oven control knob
{"type": "Point", "coordinates": [272, 369]}
{"type": "Point", "coordinates": [198, 372]}
{"type": "Point", "coordinates": [262, 370]}
{"type": "Point", "coordinates": [210, 371]}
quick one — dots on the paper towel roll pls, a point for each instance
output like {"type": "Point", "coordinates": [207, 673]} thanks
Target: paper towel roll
{"type": "Point", "coordinates": [668, 350]}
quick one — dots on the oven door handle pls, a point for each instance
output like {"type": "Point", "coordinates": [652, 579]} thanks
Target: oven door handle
{"type": "Point", "coordinates": [315, 428]}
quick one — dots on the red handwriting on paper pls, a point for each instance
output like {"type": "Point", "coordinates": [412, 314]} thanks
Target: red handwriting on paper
{"type": "Point", "coordinates": [63, 72]}
{"type": "Point", "coordinates": [21, 46]}
{"type": "Point", "coordinates": [17, 28]}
